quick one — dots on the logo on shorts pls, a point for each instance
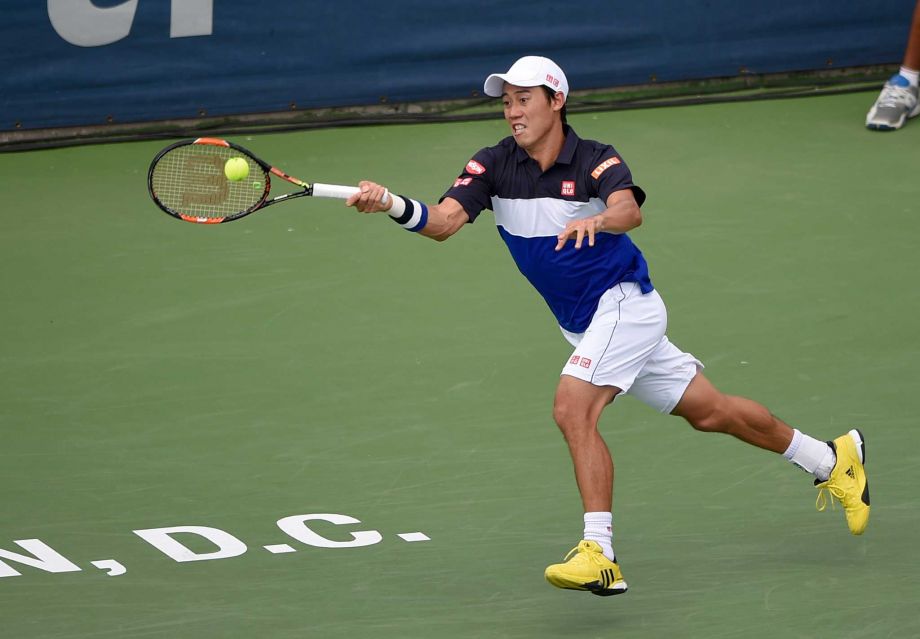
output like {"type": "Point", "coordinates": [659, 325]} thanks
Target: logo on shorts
{"type": "Point", "coordinates": [603, 166]}
{"type": "Point", "coordinates": [568, 187]}
{"type": "Point", "coordinates": [475, 167]}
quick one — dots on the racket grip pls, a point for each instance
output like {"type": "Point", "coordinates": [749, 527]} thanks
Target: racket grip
{"type": "Point", "coordinates": [340, 192]}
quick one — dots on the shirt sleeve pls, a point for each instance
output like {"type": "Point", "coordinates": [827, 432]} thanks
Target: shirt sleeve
{"type": "Point", "coordinates": [474, 188]}
{"type": "Point", "coordinates": [609, 174]}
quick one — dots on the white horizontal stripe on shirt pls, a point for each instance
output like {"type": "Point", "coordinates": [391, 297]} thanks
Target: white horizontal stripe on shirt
{"type": "Point", "coordinates": [543, 216]}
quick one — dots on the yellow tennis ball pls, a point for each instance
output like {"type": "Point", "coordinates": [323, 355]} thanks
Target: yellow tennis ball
{"type": "Point", "coordinates": [236, 169]}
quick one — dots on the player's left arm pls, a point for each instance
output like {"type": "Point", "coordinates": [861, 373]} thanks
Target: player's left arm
{"type": "Point", "coordinates": [621, 215]}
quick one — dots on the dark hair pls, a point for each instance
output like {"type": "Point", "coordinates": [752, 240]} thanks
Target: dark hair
{"type": "Point", "coordinates": [550, 94]}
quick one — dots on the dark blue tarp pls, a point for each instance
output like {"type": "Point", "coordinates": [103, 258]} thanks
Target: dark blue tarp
{"type": "Point", "coordinates": [262, 56]}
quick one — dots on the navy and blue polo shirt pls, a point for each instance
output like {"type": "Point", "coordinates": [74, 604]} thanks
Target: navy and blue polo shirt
{"type": "Point", "coordinates": [532, 207]}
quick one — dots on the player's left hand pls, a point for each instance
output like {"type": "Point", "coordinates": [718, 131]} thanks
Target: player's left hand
{"type": "Point", "coordinates": [370, 198]}
{"type": "Point", "coordinates": [579, 229]}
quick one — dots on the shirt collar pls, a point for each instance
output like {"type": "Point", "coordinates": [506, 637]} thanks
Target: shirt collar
{"type": "Point", "coordinates": [568, 147]}
{"type": "Point", "coordinates": [565, 155]}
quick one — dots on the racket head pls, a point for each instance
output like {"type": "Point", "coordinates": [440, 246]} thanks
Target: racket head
{"type": "Point", "coordinates": [187, 181]}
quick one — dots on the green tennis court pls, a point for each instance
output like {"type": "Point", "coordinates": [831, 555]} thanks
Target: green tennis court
{"type": "Point", "coordinates": [310, 360]}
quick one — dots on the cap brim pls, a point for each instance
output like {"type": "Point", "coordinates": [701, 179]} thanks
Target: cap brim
{"type": "Point", "coordinates": [494, 85]}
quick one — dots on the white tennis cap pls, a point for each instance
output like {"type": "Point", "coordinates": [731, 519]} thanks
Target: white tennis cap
{"type": "Point", "coordinates": [529, 71]}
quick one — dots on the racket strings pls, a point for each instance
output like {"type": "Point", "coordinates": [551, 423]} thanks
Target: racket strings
{"type": "Point", "coordinates": [190, 180]}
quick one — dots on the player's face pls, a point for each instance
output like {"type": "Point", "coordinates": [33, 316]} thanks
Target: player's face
{"type": "Point", "coordinates": [530, 114]}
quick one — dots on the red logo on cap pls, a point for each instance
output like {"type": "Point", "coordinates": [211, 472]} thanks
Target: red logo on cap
{"type": "Point", "coordinates": [475, 167]}
{"type": "Point", "coordinates": [552, 80]}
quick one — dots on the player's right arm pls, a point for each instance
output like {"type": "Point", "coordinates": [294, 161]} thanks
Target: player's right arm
{"type": "Point", "coordinates": [441, 220]}
{"type": "Point", "coordinates": [462, 203]}
{"type": "Point", "coordinates": [445, 219]}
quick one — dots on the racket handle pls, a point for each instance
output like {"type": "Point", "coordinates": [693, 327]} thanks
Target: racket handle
{"type": "Point", "coordinates": [340, 192]}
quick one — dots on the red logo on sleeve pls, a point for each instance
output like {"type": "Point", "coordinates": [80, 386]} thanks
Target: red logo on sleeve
{"type": "Point", "coordinates": [574, 359]}
{"type": "Point", "coordinates": [568, 187]}
{"type": "Point", "coordinates": [585, 362]}
{"type": "Point", "coordinates": [475, 167]}
{"type": "Point", "coordinates": [463, 181]}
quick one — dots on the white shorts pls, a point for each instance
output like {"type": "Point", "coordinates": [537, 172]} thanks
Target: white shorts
{"type": "Point", "coordinates": [625, 346]}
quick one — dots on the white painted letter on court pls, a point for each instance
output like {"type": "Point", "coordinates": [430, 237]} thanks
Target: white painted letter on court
{"type": "Point", "coordinates": [160, 538]}
{"type": "Point", "coordinates": [43, 557]}
{"type": "Point", "coordinates": [296, 527]}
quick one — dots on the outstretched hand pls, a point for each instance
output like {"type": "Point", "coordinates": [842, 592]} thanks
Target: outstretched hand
{"type": "Point", "coordinates": [370, 198]}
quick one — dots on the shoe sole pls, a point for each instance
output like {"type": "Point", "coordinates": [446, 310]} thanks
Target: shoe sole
{"type": "Point", "coordinates": [594, 587]}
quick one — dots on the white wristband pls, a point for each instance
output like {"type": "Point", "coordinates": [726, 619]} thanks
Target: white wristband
{"type": "Point", "coordinates": [410, 214]}
{"type": "Point", "coordinates": [397, 208]}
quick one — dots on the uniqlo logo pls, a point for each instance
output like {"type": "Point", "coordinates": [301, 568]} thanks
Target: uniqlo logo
{"type": "Point", "coordinates": [568, 187]}
{"type": "Point", "coordinates": [574, 359]}
{"type": "Point", "coordinates": [463, 181]}
{"type": "Point", "coordinates": [475, 167]}
{"type": "Point", "coordinates": [585, 362]}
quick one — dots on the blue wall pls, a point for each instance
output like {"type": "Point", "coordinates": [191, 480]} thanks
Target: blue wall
{"type": "Point", "coordinates": [77, 62]}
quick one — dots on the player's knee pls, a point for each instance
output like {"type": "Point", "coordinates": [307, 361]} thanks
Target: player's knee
{"type": "Point", "coordinates": [562, 414]}
{"type": "Point", "coordinates": [571, 418]}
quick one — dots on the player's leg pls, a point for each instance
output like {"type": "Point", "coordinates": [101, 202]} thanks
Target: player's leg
{"type": "Point", "coordinates": [898, 99]}
{"type": "Point", "coordinates": [577, 409]}
{"type": "Point", "coordinates": [912, 52]}
{"type": "Point", "coordinates": [838, 466]}
{"type": "Point", "coordinates": [608, 356]}
{"type": "Point", "coordinates": [592, 563]}
{"type": "Point", "coordinates": [709, 410]}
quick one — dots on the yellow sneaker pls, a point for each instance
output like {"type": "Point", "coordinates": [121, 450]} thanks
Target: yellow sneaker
{"type": "Point", "coordinates": [848, 483]}
{"type": "Point", "coordinates": [589, 569]}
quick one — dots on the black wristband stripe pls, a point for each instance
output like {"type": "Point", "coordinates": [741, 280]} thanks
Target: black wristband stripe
{"type": "Point", "coordinates": [407, 214]}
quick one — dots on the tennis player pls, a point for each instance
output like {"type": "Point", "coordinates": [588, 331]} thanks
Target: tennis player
{"type": "Point", "coordinates": [564, 207]}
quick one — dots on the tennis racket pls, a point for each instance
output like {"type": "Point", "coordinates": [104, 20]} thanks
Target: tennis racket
{"type": "Point", "coordinates": [187, 180]}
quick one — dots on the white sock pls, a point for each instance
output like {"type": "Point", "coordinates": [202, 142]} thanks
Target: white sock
{"type": "Point", "coordinates": [912, 76]}
{"type": "Point", "coordinates": [599, 528]}
{"type": "Point", "coordinates": [811, 455]}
